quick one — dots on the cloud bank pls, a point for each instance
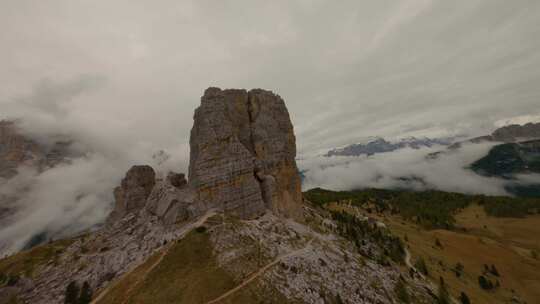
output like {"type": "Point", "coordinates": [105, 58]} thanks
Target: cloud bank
{"type": "Point", "coordinates": [406, 168]}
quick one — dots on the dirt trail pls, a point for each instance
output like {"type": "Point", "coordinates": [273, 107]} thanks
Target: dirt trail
{"type": "Point", "coordinates": [261, 271]}
{"type": "Point", "coordinates": [186, 229]}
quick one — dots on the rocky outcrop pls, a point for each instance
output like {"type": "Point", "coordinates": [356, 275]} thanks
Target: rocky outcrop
{"type": "Point", "coordinates": [131, 195]}
{"type": "Point", "coordinates": [243, 154]}
{"type": "Point", "coordinates": [514, 133]}
{"type": "Point", "coordinates": [169, 199]}
{"type": "Point", "coordinates": [172, 201]}
{"type": "Point", "coordinates": [178, 180]}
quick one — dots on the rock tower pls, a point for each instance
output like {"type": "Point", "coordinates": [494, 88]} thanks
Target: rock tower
{"type": "Point", "coordinates": [243, 153]}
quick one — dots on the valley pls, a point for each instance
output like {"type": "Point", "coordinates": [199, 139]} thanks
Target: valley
{"type": "Point", "coordinates": [459, 254]}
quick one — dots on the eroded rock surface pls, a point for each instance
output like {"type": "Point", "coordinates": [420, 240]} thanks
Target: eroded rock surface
{"type": "Point", "coordinates": [131, 195]}
{"type": "Point", "coordinates": [173, 201]}
{"type": "Point", "coordinates": [238, 139]}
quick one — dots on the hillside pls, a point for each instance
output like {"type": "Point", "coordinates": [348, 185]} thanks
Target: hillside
{"type": "Point", "coordinates": [509, 159]}
{"type": "Point", "coordinates": [458, 237]}
{"type": "Point", "coordinates": [236, 231]}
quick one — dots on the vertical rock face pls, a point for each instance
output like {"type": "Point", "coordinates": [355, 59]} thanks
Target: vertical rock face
{"type": "Point", "coordinates": [16, 150]}
{"type": "Point", "coordinates": [243, 154]}
{"type": "Point", "coordinates": [131, 195]}
{"type": "Point", "coordinates": [275, 149]}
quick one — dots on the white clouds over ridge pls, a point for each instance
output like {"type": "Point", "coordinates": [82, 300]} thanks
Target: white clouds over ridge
{"type": "Point", "coordinates": [448, 172]}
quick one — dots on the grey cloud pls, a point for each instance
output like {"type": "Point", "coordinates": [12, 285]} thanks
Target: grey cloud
{"type": "Point", "coordinates": [346, 69]}
{"type": "Point", "coordinates": [447, 173]}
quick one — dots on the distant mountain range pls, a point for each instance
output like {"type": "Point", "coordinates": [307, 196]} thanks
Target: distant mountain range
{"type": "Point", "coordinates": [506, 134]}
{"type": "Point", "coordinates": [517, 154]}
{"type": "Point", "coordinates": [511, 159]}
{"type": "Point", "coordinates": [375, 145]}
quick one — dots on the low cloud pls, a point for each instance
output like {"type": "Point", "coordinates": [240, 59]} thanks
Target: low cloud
{"type": "Point", "coordinates": [77, 194]}
{"type": "Point", "coordinates": [347, 71]}
{"type": "Point", "coordinates": [59, 202]}
{"type": "Point", "coordinates": [406, 168]}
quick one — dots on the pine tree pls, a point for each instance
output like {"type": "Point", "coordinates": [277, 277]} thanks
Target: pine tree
{"type": "Point", "coordinates": [72, 293]}
{"type": "Point", "coordinates": [459, 269]}
{"type": "Point", "coordinates": [86, 294]}
{"type": "Point", "coordinates": [494, 271]}
{"type": "Point", "coordinates": [401, 292]}
{"type": "Point", "coordinates": [464, 299]}
{"type": "Point", "coordinates": [339, 300]}
{"type": "Point", "coordinates": [421, 266]}
{"type": "Point", "coordinates": [444, 296]}
{"type": "Point", "coordinates": [485, 283]}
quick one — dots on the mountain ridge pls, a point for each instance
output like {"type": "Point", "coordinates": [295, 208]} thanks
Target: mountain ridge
{"type": "Point", "coordinates": [242, 204]}
{"type": "Point", "coordinates": [375, 145]}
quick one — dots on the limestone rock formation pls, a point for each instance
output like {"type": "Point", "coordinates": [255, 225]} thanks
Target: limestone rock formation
{"type": "Point", "coordinates": [131, 195]}
{"type": "Point", "coordinates": [173, 201]}
{"type": "Point", "coordinates": [243, 154]}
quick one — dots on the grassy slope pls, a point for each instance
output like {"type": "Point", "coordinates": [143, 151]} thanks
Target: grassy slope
{"type": "Point", "coordinates": [507, 243]}
{"type": "Point", "coordinates": [26, 262]}
{"type": "Point", "coordinates": [517, 271]}
{"type": "Point", "coordinates": [187, 274]}
{"type": "Point", "coordinates": [475, 238]}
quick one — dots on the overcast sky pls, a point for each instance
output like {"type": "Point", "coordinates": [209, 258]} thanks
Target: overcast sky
{"type": "Point", "coordinates": [123, 77]}
{"type": "Point", "coordinates": [128, 73]}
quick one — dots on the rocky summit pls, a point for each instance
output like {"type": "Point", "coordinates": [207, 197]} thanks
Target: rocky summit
{"type": "Point", "coordinates": [243, 154]}
{"type": "Point", "coordinates": [131, 195]}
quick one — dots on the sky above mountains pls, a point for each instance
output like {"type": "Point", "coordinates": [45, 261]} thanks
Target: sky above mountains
{"type": "Point", "coordinates": [123, 78]}
{"type": "Point", "coordinates": [130, 73]}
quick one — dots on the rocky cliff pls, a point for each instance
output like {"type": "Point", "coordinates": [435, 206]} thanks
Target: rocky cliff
{"type": "Point", "coordinates": [242, 163]}
{"type": "Point", "coordinates": [17, 150]}
{"type": "Point", "coordinates": [135, 188]}
{"type": "Point", "coordinates": [243, 154]}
